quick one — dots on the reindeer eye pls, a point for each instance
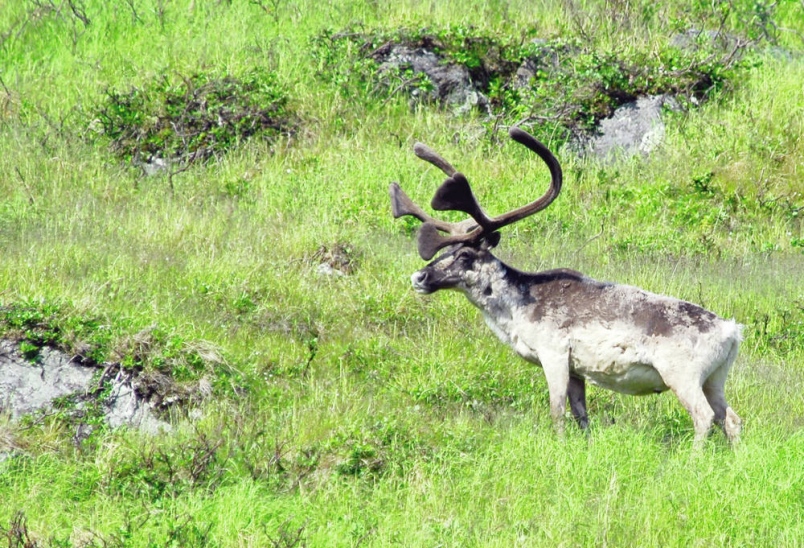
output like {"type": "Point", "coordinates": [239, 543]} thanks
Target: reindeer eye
{"type": "Point", "coordinates": [466, 259]}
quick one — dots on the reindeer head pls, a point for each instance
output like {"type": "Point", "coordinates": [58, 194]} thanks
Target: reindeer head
{"type": "Point", "coordinates": [469, 241]}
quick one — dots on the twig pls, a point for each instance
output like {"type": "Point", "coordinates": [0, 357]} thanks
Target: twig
{"type": "Point", "coordinates": [592, 239]}
{"type": "Point", "coordinates": [25, 184]}
{"type": "Point", "coordinates": [135, 16]}
{"type": "Point", "coordinates": [79, 11]}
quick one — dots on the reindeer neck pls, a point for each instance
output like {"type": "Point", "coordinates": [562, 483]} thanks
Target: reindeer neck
{"type": "Point", "coordinates": [503, 292]}
{"type": "Point", "coordinates": [496, 289]}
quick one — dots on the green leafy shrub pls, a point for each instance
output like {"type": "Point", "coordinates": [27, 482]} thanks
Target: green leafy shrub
{"type": "Point", "coordinates": [194, 118]}
{"type": "Point", "coordinates": [38, 324]}
{"type": "Point", "coordinates": [564, 81]}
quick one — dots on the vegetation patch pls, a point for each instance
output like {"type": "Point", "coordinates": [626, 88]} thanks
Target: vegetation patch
{"type": "Point", "coordinates": [35, 325]}
{"type": "Point", "coordinates": [339, 258]}
{"type": "Point", "coordinates": [564, 81]}
{"type": "Point", "coordinates": [185, 119]}
{"type": "Point", "coordinates": [159, 469]}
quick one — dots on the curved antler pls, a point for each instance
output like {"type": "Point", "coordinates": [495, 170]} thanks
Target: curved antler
{"type": "Point", "coordinates": [556, 179]}
{"type": "Point", "coordinates": [455, 194]}
{"type": "Point", "coordinates": [402, 205]}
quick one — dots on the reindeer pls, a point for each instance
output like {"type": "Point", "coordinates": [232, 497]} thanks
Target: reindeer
{"type": "Point", "coordinates": [577, 329]}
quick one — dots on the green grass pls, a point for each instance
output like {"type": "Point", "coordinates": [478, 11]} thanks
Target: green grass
{"type": "Point", "coordinates": [348, 410]}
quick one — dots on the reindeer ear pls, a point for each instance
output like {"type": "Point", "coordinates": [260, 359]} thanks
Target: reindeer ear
{"type": "Point", "coordinates": [490, 241]}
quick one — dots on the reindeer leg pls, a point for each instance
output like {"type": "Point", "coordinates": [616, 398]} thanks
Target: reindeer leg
{"type": "Point", "coordinates": [713, 388]}
{"type": "Point", "coordinates": [556, 371]}
{"type": "Point", "coordinates": [577, 400]}
{"type": "Point", "coordinates": [691, 395]}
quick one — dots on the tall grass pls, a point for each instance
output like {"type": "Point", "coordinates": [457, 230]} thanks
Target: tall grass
{"type": "Point", "coordinates": [361, 413]}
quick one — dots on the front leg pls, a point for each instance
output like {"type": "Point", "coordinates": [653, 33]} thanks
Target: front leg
{"type": "Point", "coordinates": [577, 400]}
{"type": "Point", "coordinates": [556, 371]}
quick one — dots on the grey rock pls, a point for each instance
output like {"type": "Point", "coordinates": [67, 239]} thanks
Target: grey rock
{"type": "Point", "coordinates": [124, 407]}
{"type": "Point", "coordinates": [545, 58]}
{"type": "Point", "coordinates": [154, 166]}
{"type": "Point", "coordinates": [26, 387]}
{"type": "Point", "coordinates": [691, 39]}
{"type": "Point", "coordinates": [634, 128]}
{"type": "Point", "coordinates": [452, 83]}
{"type": "Point", "coordinates": [326, 269]}
{"type": "Point", "coordinates": [525, 73]}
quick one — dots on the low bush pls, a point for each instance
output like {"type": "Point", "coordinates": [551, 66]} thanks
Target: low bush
{"type": "Point", "coordinates": [194, 118]}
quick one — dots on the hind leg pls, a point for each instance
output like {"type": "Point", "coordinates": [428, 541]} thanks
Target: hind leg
{"type": "Point", "coordinates": [691, 395]}
{"type": "Point", "coordinates": [576, 394]}
{"type": "Point", "coordinates": [725, 417]}
{"type": "Point", "coordinates": [694, 401]}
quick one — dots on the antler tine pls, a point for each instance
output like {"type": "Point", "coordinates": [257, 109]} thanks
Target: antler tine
{"type": "Point", "coordinates": [429, 155]}
{"type": "Point", "coordinates": [402, 205]}
{"type": "Point", "coordinates": [430, 241]}
{"type": "Point", "coordinates": [454, 194]}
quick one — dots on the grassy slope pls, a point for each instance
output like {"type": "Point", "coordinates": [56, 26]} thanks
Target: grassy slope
{"type": "Point", "coordinates": [374, 416]}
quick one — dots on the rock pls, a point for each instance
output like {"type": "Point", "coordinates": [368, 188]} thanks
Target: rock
{"type": "Point", "coordinates": [545, 58]}
{"type": "Point", "coordinates": [325, 269]}
{"type": "Point", "coordinates": [125, 407]}
{"type": "Point", "coordinates": [29, 386]}
{"type": "Point", "coordinates": [634, 128]}
{"type": "Point", "coordinates": [154, 166]}
{"type": "Point", "coordinates": [451, 83]}
{"type": "Point", "coordinates": [525, 73]}
{"type": "Point", "coordinates": [691, 39]}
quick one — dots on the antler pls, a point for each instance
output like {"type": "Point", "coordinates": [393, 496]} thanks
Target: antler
{"type": "Point", "coordinates": [455, 194]}
{"type": "Point", "coordinates": [401, 205]}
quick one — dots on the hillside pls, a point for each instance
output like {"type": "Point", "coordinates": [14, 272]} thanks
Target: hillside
{"type": "Point", "coordinates": [194, 201]}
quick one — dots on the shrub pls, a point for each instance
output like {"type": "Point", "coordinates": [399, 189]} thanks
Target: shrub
{"type": "Point", "coordinates": [195, 117]}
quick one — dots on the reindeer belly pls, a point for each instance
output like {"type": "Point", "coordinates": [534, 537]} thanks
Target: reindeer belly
{"type": "Point", "coordinates": [616, 361]}
{"type": "Point", "coordinates": [623, 365]}
{"type": "Point", "coordinates": [637, 380]}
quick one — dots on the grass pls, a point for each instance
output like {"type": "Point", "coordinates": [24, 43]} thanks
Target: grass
{"type": "Point", "coordinates": [348, 410]}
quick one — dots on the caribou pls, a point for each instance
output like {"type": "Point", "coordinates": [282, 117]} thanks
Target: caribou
{"type": "Point", "coordinates": [575, 328]}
